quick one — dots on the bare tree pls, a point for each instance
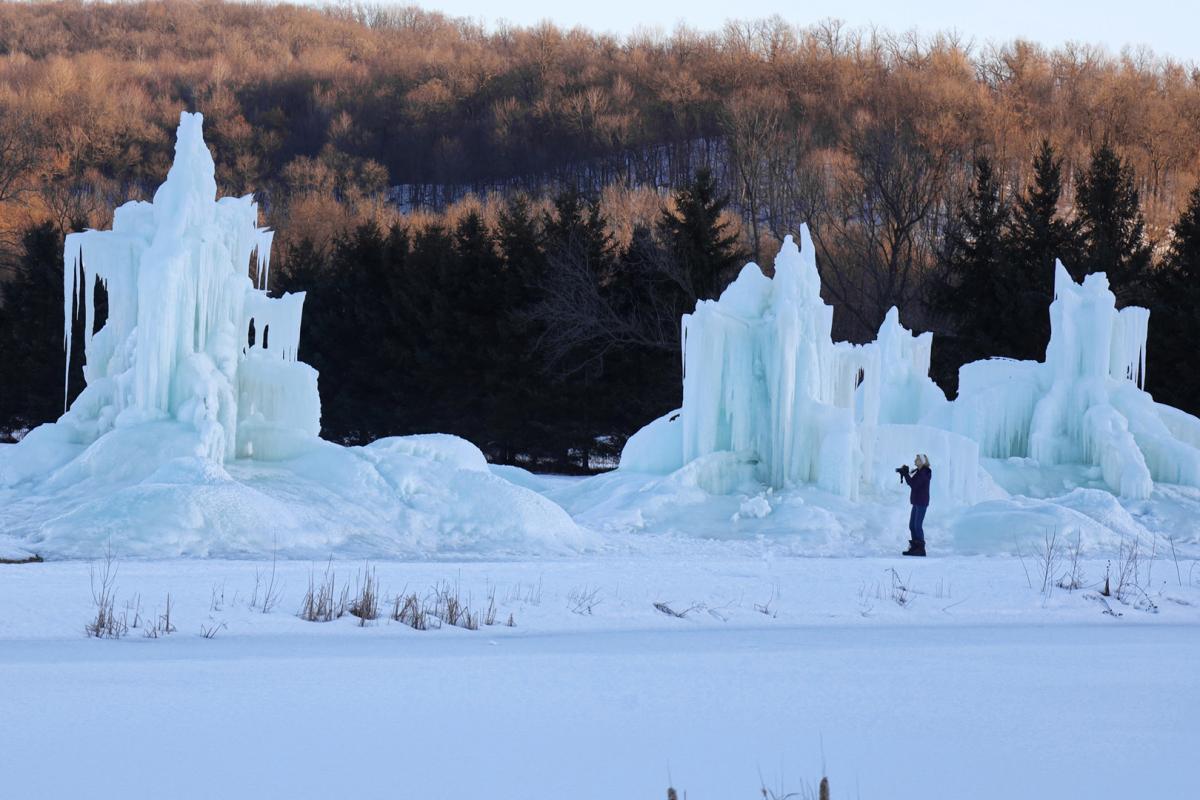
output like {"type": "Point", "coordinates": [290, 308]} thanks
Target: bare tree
{"type": "Point", "coordinates": [590, 309]}
{"type": "Point", "coordinates": [876, 225]}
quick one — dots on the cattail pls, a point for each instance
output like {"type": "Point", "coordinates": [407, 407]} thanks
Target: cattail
{"type": "Point", "coordinates": [671, 794]}
{"type": "Point", "coordinates": [824, 790]}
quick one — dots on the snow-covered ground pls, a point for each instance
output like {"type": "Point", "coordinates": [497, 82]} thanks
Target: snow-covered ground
{"type": "Point", "coordinates": [950, 677]}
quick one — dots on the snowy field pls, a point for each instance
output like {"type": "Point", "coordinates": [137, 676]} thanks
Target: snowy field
{"type": "Point", "coordinates": [950, 677]}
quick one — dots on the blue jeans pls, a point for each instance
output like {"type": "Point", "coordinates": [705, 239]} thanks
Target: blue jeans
{"type": "Point", "coordinates": [916, 522]}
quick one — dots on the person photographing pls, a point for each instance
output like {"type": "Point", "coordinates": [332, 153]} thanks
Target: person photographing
{"type": "Point", "coordinates": [917, 479]}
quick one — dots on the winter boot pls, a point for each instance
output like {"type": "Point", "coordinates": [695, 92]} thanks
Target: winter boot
{"type": "Point", "coordinates": [915, 548]}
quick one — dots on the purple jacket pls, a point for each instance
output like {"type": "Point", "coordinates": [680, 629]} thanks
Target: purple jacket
{"type": "Point", "coordinates": [919, 486]}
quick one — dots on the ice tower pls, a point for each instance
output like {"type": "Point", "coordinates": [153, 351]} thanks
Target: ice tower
{"type": "Point", "coordinates": [189, 336]}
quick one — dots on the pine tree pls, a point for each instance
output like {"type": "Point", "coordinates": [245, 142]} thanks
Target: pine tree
{"type": "Point", "coordinates": [1171, 374]}
{"type": "Point", "coordinates": [520, 243]}
{"type": "Point", "coordinates": [704, 246]}
{"type": "Point", "coordinates": [352, 333]}
{"type": "Point", "coordinates": [977, 288]}
{"type": "Point", "coordinates": [31, 334]}
{"type": "Point", "coordinates": [531, 397]}
{"type": "Point", "coordinates": [1036, 237]}
{"type": "Point", "coordinates": [577, 241]}
{"type": "Point", "coordinates": [1183, 256]}
{"type": "Point", "coordinates": [1111, 226]}
{"type": "Point", "coordinates": [477, 342]}
{"type": "Point", "coordinates": [577, 230]}
{"type": "Point", "coordinates": [426, 301]}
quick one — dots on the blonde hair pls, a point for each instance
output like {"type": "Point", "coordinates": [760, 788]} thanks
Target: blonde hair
{"type": "Point", "coordinates": [922, 460]}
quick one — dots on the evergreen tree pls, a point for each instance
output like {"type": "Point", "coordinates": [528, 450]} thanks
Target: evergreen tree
{"type": "Point", "coordinates": [977, 288]}
{"type": "Point", "coordinates": [1036, 237]}
{"type": "Point", "coordinates": [577, 242]}
{"type": "Point", "coordinates": [704, 247]}
{"type": "Point", "coordinates": [426, 305]}
{"type": "Point", "coordinates": [1111, 226]}
{"type": "Point", "coordinates": [532, 396]}
{"type": "Point", "coordinates": [1175, 316]}
{"type": "Point", "coordinates": [1183, 256]}
{"type": "Point", "coordinates": [31, 334]}
{"type": "Point", "coordinates": [476, 344]}
{"type": "Point", "coordinates": [577, 230]}
{"type": "Point", "coordinates": [520, 243]}
{"type": "Point", "coordinates": [351, 333]}
{"type": "Point", "coordinates": [645, 384]}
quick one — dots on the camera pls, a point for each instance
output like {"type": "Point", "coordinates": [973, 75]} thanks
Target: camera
{"type": "Point", "coordinates": [902, 471]}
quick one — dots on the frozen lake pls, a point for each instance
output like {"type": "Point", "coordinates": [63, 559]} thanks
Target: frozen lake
{"type": "Point", "coordinates": [977, 687]}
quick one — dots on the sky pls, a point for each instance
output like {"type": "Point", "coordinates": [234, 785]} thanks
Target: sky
{"type": "Point", "coordinates": [1169, 27]}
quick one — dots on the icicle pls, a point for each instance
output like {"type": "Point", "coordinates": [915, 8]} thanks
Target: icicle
{"type": "Point", "coordinates": [91, 269]}
{"type": "Point", "coordinates": [72, 261]}
{"type": "Point", "coordinates": [265, 237]}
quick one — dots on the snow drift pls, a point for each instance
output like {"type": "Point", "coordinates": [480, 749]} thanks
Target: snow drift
{"type": "Point", "coordinates": [197, 432]}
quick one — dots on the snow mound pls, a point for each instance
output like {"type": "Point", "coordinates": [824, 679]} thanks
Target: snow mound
{"type": "Point", "coordinates": [198, 431]}
{"type": "Point", "coordinates": [399, 498]}
{"type": "Point", "coordinates": [1093, 518]}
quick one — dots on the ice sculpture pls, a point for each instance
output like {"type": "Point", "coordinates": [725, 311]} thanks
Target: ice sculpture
{"type": "Point", "coordinates": [1084, 404]}
{"type": "Point", "coordinates": [181, 310]}
{"type": "Point", "coordinates": [762, 377]}
{"type": "Point", "coordinates": [197, 433]}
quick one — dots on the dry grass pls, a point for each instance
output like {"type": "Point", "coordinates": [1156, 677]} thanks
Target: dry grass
{"type": "Point", "coordinates": [582, 600]}
{"type": "Point", "coordinates": [444, 605]}
{"type": "Point", "coordinates": [365, 604]}
{"type": "Point", "coordinates": [322, 602]}
{"type": "Point", "coordinates": [265, 582]}
{"type": "Point", "coordinates": [408, 610]}
{"type": "Point", "coordinates": [106, 624]}
{"type": "Point", "coordinates": [163, 625]}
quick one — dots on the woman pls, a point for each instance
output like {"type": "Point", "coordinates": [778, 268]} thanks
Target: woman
{"type": "Point", "coordinates": [918, 482]}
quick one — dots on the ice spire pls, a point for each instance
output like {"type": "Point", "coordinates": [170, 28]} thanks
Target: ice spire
{"type": "Point", "coordinates": [181, 301]}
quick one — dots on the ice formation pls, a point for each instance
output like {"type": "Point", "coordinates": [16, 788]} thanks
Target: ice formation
{"type": "Point", "coordinates": [198, 430]}
{"type": "Point", "coordinates": [1084, 404]}
{"type": "Point", "coordinates": [181, 305]}
{"type": "Point", "coordinates": [763, 378]}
